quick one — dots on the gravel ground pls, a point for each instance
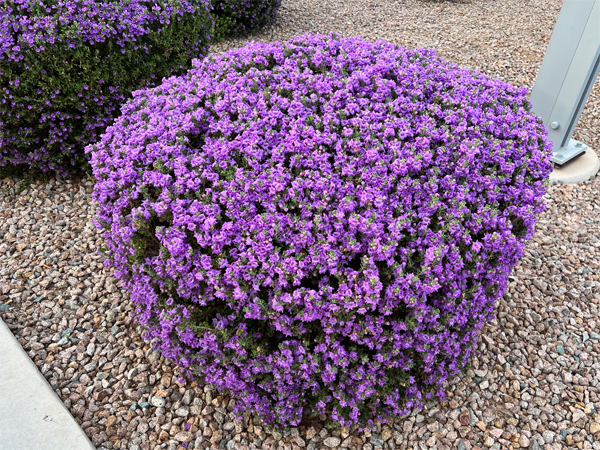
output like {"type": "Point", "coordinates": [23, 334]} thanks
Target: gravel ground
{"type": "Point", "coordinates": [535, 383]}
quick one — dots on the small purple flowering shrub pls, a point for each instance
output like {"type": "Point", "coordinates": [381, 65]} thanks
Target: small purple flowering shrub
{"type": "Point", "coordinates": [67, 66]}
{"type": "Point", "coordinates": [320, 226]}
{"type": "Point", "coordinates": [235, 17]}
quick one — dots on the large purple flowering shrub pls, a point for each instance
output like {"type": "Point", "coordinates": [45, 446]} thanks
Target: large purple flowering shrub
{"type": "Point", "coordinates": [66, 67]}
{"type": "Point", "coordinates": [235, 17]}
{"type": "Point", "coordinates": [322, 225]}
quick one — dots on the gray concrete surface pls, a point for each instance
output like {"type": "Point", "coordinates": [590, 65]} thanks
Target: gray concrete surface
{"type": "Point", "coordinates": [32, 417]}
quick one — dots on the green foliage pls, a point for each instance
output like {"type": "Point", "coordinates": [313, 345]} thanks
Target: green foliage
{"type": "Point", "coordinates": [67, 94]}
{"type": "Point", "coordinates": [237, 17]}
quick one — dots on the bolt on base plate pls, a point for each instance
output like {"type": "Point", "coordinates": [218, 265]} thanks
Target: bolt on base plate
{"type": "Point", "coordinates": [570, 151]}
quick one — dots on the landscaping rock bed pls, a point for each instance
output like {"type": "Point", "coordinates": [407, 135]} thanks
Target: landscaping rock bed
{"type": "Point", "coordinates": [535, 379]}
{"type": "Point", "coordinates": [534, 383]}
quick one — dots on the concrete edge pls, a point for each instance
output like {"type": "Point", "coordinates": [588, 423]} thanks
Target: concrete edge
{"type": "Point", "coordinates": [581, 169]}
{"type": "Point", "coordinates": [31, 415]}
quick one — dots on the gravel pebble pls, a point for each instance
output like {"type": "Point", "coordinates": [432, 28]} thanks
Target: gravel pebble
{"type": "Point", "coordinates": [332, 441]}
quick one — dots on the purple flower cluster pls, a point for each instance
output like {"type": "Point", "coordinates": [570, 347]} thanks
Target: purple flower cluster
{"type": "Point", "coordinates": [66, 66]}
{"type": "Point", "coordinates": [321, 226]}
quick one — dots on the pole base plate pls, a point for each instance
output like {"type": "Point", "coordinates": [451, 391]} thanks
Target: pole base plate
{"type": "Point", "coordinates": [570, 151]}
{"type": "Point", "coordinates": [581, 168]}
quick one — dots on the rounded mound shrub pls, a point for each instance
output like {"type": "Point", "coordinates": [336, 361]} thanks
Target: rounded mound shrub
{"type": "Point", "coordinates": [67, 66]}
{"type": "Point", "coordinates": [235, 17]}
{"type": "Point", "coordinates": [322, 225]}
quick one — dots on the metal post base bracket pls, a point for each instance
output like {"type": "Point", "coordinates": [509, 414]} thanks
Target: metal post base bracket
{"type": "Point", "coordinates": [577, 170]}
{"type": "Point", "coordinates": [565, 154]}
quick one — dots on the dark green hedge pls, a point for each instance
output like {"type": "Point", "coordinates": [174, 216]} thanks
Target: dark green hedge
{"type": "Point", "coordinates": [235, 17]}
{"type": "Point", "coordinates": [63, 87]}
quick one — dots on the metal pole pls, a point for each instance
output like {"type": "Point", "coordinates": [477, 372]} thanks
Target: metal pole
{"type": "Point", "coordinates": [565, 79]}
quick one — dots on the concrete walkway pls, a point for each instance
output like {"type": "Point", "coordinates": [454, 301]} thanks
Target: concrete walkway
{"type": "Point", "coordinates": [32, 417]}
